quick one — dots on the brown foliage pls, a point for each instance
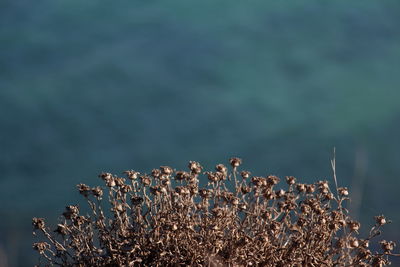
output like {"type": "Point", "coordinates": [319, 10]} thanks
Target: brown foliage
{"type": "Point", "coordinates": [165, 219]}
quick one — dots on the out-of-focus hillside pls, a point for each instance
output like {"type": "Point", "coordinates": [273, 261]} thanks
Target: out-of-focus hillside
{"type": "Point", "coordinates": [87, 87]}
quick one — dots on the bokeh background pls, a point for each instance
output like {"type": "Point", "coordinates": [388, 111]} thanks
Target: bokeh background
{"type": "Point", "coordinates": [92, 86]}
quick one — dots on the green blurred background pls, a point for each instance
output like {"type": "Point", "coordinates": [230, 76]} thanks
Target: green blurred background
{"type": "Point", "coordinates": [92, 86]}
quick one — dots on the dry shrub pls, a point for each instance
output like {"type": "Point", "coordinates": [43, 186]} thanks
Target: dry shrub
{"type": "Point", "coordinates": [165, 218]}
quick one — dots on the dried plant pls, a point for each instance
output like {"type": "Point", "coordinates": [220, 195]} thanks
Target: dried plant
{"type": "Point", "coordinates": [166, 218]}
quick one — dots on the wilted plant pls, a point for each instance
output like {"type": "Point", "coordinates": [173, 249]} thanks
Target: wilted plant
{"type": "Point", "coordinates": [165, 218]}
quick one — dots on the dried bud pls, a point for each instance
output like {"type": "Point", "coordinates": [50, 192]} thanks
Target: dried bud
{"type": "Point", "coordinates": [204, 193]}
{"type": "Point", "coordinates": [272, 180]}
{"type": "Point", "coordinates": [310, 188]}
{"type": "Point", "coordinates": [290, 180]}
{"type": "Point", "coordinates": [380, 220]}
{"type": "Point", "coordinates": [105, 176]}
{"type": "Point", "coordinates": [245, 174]}
{"type": "Point", "coordinates": [353, 225]}
{"type": "Point", "coordinates": [79, 220]}
{"type": "Point", "coordinates": [301, 188]}
{"type": "Point", "coordinates": [257, 181]}
{"type": "Point", "coordinates": [119, 181]}
{"type": "Point", "coordinates": [354, 243]}
{"type": "Point", "coordinates": [328, 196]}
{"type": "Point", "coordinates": [221, 168]}
{"type": "Point", "coordinates": [83, 189]}
{"type": "Point", "coordinates": [136, 200]}
{"type": "Point", "coordinates": [235, 201]}
{"type": "Point", "coordinates": [343, 191]}
{"type": "Point", "coordinates": [132, 174]}
{"type": "Point", "coordinates": [387, 246]}
{"type": "Point", "coordinates": [71, 212]}
{"type": "Point", "coordinates": [235, 162]}
{"type": "Point", "coordinates": [269, 195]}
{"type": "Point", "coordinates": [245, 189]}
{"type": "Point", "coordinates": [97, 192]}
{"type": "Point", "coordinates": [118, 207]}
{"type": "Point", "coordinates": [146, 180]}
{"type": "Point", "coordinates": [41, 247]}
{"type": "Point", "coordinates": [156, 173]}
{"type": "Point", "coordinates": [306, 209]}
{"type": "Point", "coordinates": [195, 167]}
{"type": "Point", "coordinates": [61, 229]}
{"type": "Point", "coordinates": [242, 206]}
{"type": "Point", "coordinates": [301, 222]}
{"type": "Point", "coordinates": [166, 170]}
{"type": "Point", "coordinates": [280, 193]}
{"type": "Point", "coordinates": [155, 190]}
{"type": "Point", "coordinates": [125, 188]}
{"type": "Point", "coordinates": [182, 175]}
{"type": "Point", "coordinates": [38, 223]}
{"type": "Point", "coordinates": [323, 184]}
{"type": "Point", "coordinates": [215, 176]}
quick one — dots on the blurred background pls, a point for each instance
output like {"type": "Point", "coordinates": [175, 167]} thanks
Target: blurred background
{"type": "Point", "coordinates": [92, 86]}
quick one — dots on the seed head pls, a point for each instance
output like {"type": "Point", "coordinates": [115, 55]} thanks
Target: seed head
{"type": "Point", "coordinates": [146, 180]}
{"type": "Point", "coordinates": [235, 162]}
{"type": "Point", "coordinates": [41, 247]}
{"type": "Point", "coordinates": [343, 191]}
{"type": "Point", "coordinates": [182, 175]}
{"type": "Point", "coordinates": [301, 188]}
{"type": "Point", "coordinates": [290, 180]}
{"type": "Point", "coordinates": [245, 174]}
{"type": "Point", "coordinates": [61, 229]}
{"type": "Point", "coordinates": [133, 175]}
{"type": "Point", "coordinates": [387, 246]}
{"type": "Point", "coordinates": [380, 220]}
{"type": "Point", "coordinates": [83, 189]}
{"type": "Point", "coordinates": [38, 223]}
{"type": "Point", "coordinates": [272, 180]}
{"type": "Point", "coordinates": [195, 167]}
{"type": "Point", "coordinates": [353, 225]}
{"type": "Point", "coordinates": [166, 170]}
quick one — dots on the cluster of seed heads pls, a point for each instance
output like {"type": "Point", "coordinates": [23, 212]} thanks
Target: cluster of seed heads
{"type": "Point", "coordinates": [166, 218]}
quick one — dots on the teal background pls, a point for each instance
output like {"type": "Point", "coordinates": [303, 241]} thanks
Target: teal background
{"type": "Point", "coordinates": [92, 86]}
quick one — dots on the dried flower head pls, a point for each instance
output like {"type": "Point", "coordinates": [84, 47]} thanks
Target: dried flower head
{"type": "Point", "coordinates": [132, 175]}
{"type": "Point", "coordinates": [380, 220]}
{"type": "Point", "coordinates": [245, 174]}
{"type": "Point", "coordinates": [290, 180]}
{"type": "Point", "coordinates": [235, 162]}
{"type": "Point", "coordinates": [343, 191]}
{"type": "Point", "coordinates": [38, 223]}
{"type": "Point", "coordinates": [387, 246]}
